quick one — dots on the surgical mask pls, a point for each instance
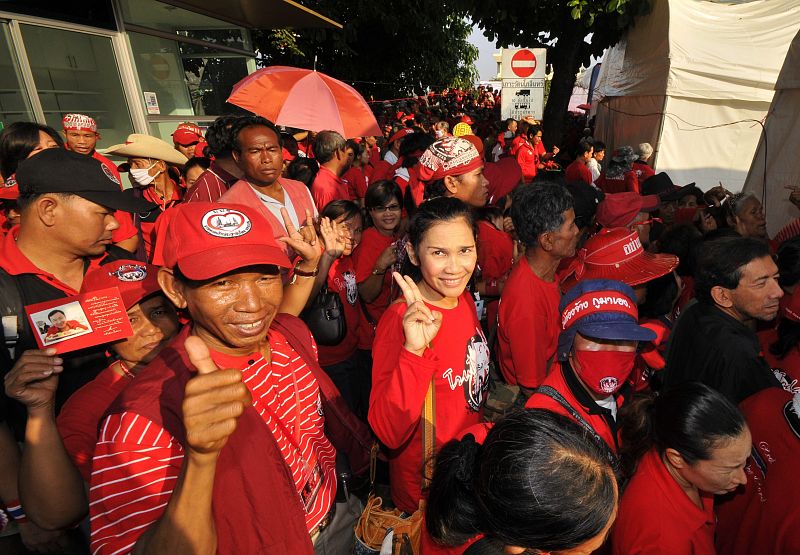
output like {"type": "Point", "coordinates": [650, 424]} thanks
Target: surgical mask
{"type": "Point", "coordinates": [142, 175]}
{"type": "Point", "coordinates": [604, 372]}
{"type": "Point", "coordinates": [439, 133]}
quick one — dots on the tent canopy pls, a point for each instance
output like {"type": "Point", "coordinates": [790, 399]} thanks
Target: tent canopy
{"type": "Point", "coordinates": [685, 73]}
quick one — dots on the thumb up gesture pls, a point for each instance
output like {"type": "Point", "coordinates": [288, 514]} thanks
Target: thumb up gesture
{"type": "Point", "coordinates": [212, 403]}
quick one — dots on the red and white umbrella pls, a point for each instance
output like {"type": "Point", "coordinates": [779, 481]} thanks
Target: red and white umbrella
{"type": "Point", "coordinates": [305, 99]}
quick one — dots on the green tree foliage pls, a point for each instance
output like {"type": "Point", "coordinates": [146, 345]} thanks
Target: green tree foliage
{"type": "Point", "coordinates": [563, 27]}
{"type": "Point", "coordinates": [387, 49]}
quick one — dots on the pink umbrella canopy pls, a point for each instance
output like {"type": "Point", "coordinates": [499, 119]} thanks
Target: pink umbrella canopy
{"type": "Point", "coordinates": [305, 99]}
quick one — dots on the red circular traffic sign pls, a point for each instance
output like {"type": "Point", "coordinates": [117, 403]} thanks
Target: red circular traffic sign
{"type": "Point", "coordinates": [523, 63]}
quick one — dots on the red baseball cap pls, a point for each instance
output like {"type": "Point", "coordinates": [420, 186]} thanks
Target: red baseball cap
{"type": "Point", "coordinates": [466, 119]}
{"type": "Point", "coordinates": [617, 253]}
{"type": "Point", "coordinates": [476, 141]}
{"type": "Point", "coordinates": [620, 209]}
{"type": "Point", "coordinates": [135, 280]}
{"type": "Point", "coordinates": [401, 134]}
{"type": "Point", "coordinates": [208, 239]}
{"type": "Point", "coordinates": [187, 133]}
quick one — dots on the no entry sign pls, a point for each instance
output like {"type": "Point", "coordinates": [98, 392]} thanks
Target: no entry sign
{"type": "Point", "coordinates": [523, 63]}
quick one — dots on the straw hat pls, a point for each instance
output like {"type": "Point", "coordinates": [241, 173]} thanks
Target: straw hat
{"type": "Point", "coordinates": [146, 146]}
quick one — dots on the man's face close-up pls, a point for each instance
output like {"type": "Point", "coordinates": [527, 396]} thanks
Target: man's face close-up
{"type": "Point", "coordinates": [233, 312]}
{"type": "Point", "coordinates": [83, 227]}
{"type": "Point", "coordinates": [81, 141]}
{"type": "Point", "coordinates": [758, 294]}
{"type": "Point", "coordinates": [259, 156]}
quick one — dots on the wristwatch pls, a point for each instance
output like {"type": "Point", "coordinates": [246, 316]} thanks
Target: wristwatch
{"type": "Point", "coordinates": [297, 272]}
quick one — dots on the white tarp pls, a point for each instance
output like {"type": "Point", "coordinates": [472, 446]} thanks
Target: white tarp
{"type": "Point", "coordinates": [778, 155]}
{"type": "Point", "coordinates": [684, 73]}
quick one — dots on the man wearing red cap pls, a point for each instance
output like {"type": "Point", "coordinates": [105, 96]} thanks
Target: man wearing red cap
{"type": "Point", "coordinates": [220, 444]}
{"type": "Point", "coordinates": [186, 138]}
{"type": "Point", "coordinates": [80, 133]}
{"type": "Point", "coordinates": [527, 333]}
{"type": "Point", "coordinates": [57, 461]}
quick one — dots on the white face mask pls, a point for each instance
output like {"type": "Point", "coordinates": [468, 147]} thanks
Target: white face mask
{"type": "Point", "coordinates": [142, 176]}
{"type": "Point", "coordinates": [439, 133]}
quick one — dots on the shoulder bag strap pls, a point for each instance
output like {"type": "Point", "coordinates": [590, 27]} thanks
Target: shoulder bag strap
{"type": "Point", "coordinates": [428, 433]}
{"type": "Point", "coordinates": [555, 395]}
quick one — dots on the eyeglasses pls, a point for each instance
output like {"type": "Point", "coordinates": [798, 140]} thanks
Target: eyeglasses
{"type": "Point", "coordinates": [383, 209]}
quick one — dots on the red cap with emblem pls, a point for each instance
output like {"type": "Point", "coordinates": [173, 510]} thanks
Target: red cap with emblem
{"type": "Point", "coordinates": [205, 240]}
{"type": "Point", "coordinates": [9, 190]}
{"type": "Point", "coordinates": [617, 253]}
{"type": "Point", "coordinates": [135, 280]}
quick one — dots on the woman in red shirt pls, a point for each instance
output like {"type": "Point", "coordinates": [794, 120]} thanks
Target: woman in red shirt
{"type": "Point", "coordinates": [340, 229]}
{"type": "Point", "coordinates": [432, 340]}
{"type": "Point", "coordinates": [379, 253]}
{"type": "Point", "coordinates": [688, 444]}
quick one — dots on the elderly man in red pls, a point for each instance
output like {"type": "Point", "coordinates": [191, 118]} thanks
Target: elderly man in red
{"type": "Point", "coordinates": [219, 444]}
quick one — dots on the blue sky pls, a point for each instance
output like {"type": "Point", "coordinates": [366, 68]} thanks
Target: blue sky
{"type": "Point", "coordinates": [487, 67]}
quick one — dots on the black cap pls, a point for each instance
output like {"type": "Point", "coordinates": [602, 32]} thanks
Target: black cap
{"type": "Point", "coordinates": [658, 184]}
{"type": "Point", "coordinates": [58, 170]}
{"type": "Point", "coordinates": [585, 200]}
{"type": "Point", "coordinates": [686, 190]}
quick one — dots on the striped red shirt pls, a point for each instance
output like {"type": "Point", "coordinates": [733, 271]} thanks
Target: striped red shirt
{"type": "Point", "coordinates": [136, 462]}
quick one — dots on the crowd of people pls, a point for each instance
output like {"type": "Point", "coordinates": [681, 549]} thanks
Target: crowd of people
{"type": "Point", "coordinates": [524, 350]}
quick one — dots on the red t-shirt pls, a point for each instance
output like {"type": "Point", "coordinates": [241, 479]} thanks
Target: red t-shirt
{"type": "Point", "coordinates": [366, 254]}
{"type": "Point", "coordinates": [656, 517]}
{"type": "Point", "coordinates": [81, 414]}
{"type": "Point", "coordinates": [528, 326]}
{"type": "Point", "coordinates": [495, 252]}
{"type": "Point", "coordinates": [763, 516]}
{"type": "Point", "coordinates": [786, 369]}
{"type": "Point", "coordinates": [357, 183]}
{"type": "Point", "coordinates": [625, 183]}
{"type": "Point", "coordinates": [327, 186]}
{"type": "Point", "coordinates": [458, 361]}
{"type": "Point", "coordinates": [342, 280]}
{"type": "Point", "coordinates": [503, 176]}
{"type": "Point", "coordinates": [578, 171]}
{"type": "Point", "coordinates": [643, 171]}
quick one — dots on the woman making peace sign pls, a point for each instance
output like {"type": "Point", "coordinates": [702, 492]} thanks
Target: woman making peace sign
{"type": "Point", "coordinates": [431, 336]}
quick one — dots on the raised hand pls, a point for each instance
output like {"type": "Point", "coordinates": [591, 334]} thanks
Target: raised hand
{"type": "Point", "coordinates": [304, 240]}
{"type": "Point", "coordinates": [420, 323]}
{"type": "Point", "coordinates": [387, 258]}
{"type": "Point", "coordinates": [34, 378]}
{"type": "Point", "coordinates": [334, 237]}
{"type": "Point", "coordinates": [213, 401]}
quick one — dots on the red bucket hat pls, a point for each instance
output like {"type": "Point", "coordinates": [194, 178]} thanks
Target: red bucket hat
{"type": "Point", "coordinates": [617, 253]}
{"type": "Point", "coordinates": [208, 239]}
{"type": "Point", "coordinates": [620, 209]}
{"type": "Point", "coordinates": [448, 156]}
{"type": "Point", "coordinates": [135, 280]}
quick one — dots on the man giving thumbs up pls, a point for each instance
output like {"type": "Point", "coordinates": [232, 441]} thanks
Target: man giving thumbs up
{"type": "Point", "coordinates": [218, 445]}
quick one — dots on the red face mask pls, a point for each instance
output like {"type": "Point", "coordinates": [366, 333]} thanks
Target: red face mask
{"type": "Point", "coordinates": [604, 372]}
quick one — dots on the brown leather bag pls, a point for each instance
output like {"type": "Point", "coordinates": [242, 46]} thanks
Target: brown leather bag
{"type": "Point", "coordinates": [376, 522]}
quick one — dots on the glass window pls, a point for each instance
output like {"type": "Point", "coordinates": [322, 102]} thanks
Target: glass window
{"type": "Point", "coordinates": [14, 105]}
{"type": "Point", "coordinates": [160, 69]}
{"type": "Point", "coordinates": [77, 72]}
{"type": "Point", "coordinates": [95, 13]}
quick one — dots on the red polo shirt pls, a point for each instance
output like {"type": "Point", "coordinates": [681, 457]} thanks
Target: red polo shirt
{"type": "Point", "coordinates": [578, 171]}
{"type": "Point", "coordinates": [15, 263]}
{"type": "Point", "coordinates": [328, 186]}
{"type": "Point", "coordinates": [528, 326]}
{"type": "Point", "coordinates": [126, 228]}
{"type": "Point", "coordinates": [656, 517]}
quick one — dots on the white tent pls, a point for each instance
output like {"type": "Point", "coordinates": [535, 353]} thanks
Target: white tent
{"type": "Point", "coordinates": [778, 155]}
{"type": "Point", "coordinates": [683, 76]}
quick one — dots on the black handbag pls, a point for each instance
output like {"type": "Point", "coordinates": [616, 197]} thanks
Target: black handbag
{"type": "Point", "coordinates": [325, 318]}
